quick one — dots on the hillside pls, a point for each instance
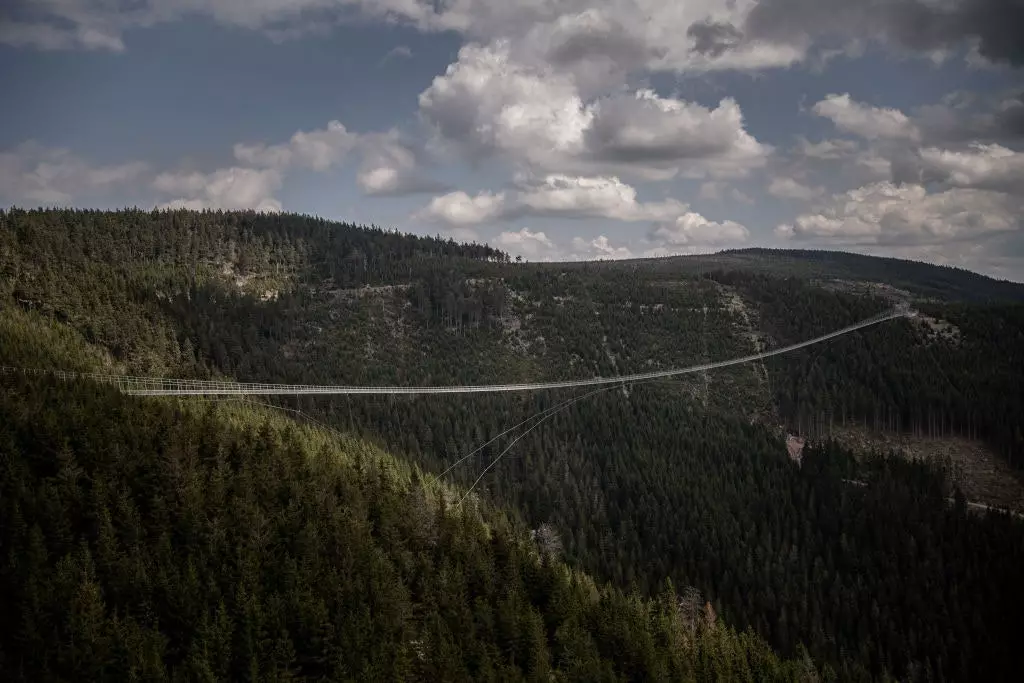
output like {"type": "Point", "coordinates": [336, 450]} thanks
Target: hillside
{"type": "Point", "coordinates": [686, 480]}
{"type": "Point", "coordinates": [922, 280]}
{"type": "Point", "coordinates": [173, 541]}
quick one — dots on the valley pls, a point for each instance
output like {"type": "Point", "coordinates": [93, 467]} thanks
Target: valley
{"type": "Point", "coordinates": [684, 482]}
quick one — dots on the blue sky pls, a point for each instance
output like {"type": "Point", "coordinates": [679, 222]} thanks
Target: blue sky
{"type": "Point", "coordinates": [562, 130]}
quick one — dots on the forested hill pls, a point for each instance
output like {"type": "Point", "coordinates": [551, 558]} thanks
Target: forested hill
{"type": "Point", "coordinates": [922, 279]}
{"type": "Point", "coordinates": [687, 480]}
{"type": "Point", "coordinates": [171, 541]}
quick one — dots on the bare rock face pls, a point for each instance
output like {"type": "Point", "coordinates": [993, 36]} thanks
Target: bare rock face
{"type": "Point", "coordinates": [795, 447]}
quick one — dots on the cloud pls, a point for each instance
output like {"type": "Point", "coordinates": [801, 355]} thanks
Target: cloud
{"type": "Point", "coordinates": [973, 117]}
{"type": "Point", "coordinates": [100, 24]}
{"type": "Point", "coordinates": [866, 121]}
{"type": "Point", "coordinates": [227, 188]}
{"type": "Point", "coordinates": [49, 37]}
{"type": "Point", "coordinates": [554, 195]}
{"type": "Point", "coordinates": [967, 140]}
{"type": "Point", "coordinates": [887, 214]}
{"type": "Point", "coordinates": [525, 242]}
{"type": "Point", "coordinates": [390, 166]}
{"type": "Point", "coordinates": [714, 38]}
{"type": "Point", "coordinates": [993, 27]}
{"type": "Point", "coordinates": [591, 197]}
{"type": "Point", "coordinates": [692, 229]}
{"type": "Point", "coordinates": [319, 150]}
{"type": "Point", "coordinates": [599, 248]}
{"type": "Point", "coordinates": [33, 173]}
{"type": "Point", "coordinates": [485, 102]}
{"type": "Point", "coordinates": [488, 104]}
{"type": "Point", "coordinates": [460, 209]}
{"type": "Point", "coordinates": [788, 188]}
{"type": "Point", "coordinates": [613, 40]}
{"type": "Point", "coordinates": [397, 52]}
{"type": "Point", "coordinates": [646, 129]}
{"type": "Point", "coordinates": [829, 149]}
{"type": "Point", "coordinates": [990, 167]}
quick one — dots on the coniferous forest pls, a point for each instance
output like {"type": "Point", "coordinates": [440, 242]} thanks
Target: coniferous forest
{"type": "Point", "coordinates": [652, 531]}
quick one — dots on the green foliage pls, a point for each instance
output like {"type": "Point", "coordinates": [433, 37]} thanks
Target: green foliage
{"type": "Point", "coordinates": [146, 539]}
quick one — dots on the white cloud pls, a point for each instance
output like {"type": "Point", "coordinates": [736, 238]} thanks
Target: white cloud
{"type": "Point", "coordinates": [487, 103]}
{"type": "Point", "coordinates": [981, 166]}
{"type": "Point", "coordinates": [525, 242]}
{"type": "Point", "coordinates": [460, 209]}
{"type": "Point", "coordinates": [649, 130]}
{"type": "Point", "coordinates": [865, 120]}
{"type": "Point", "coordinates": [390, 167]}
{"type": "Point", "coordinates": [227, 188]}
{"type": "Point", "coordinates": [884, 213]}
{"type": "Point", "coordinates": [788, 188]}
{"type": "Point", "coordinates": [32, 173]}
{"type": "Point", "coordinates": [600, 248]}
{"type": "Point", "coordinates": [693, 229]}
{"type": "Point", "coordinates": [592, 197]}
{"type": "Point", "coordinates": [829, 149]}
{"type": "Point", "coordinates": [554, 195]}
{"type": "Point", "coordinates": [874, 165]}
{"type": "Point", "coordinates": [319, 150]}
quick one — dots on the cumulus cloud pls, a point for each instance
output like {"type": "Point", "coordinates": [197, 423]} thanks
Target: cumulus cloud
{"type": "Point", "coordinates": [693, 229]}
{"type": "Point", "coordinates": [650, 130]}
{"type": "Point", "coordinates": [318, 150]}
{"type": "Point", "coordinates": [554, 195]}
{"type": "Point", "coordinates": [967, 140]}
{"type": "Point", "coordinates": [390, 166]}
{"type": "Point", "coordinates": [460, 209]}
{"type": "Point", "coordinates": [992, 167]}
{"type": "Point", "coordinates": [227, 188]}
{"type": "Point", "coordinates": [886, 214]}
{"type": "Point", "coordinates": [488, 103]}
{"type": "Point", "coordinates": [34, 174]}
{"type": "Point", "coordinates": [591, 197]}
{"type": "Point", "coordinates": [599, 248]}
{"type": "Point", "coordinates": [865, 120]}
{"type": "Point", "coordinates": [526, 242]}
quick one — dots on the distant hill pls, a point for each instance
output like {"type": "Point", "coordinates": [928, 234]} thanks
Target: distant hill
{"type": "Point", "coordinates": [921, 279]}
{"type": "Point", "coordinates": [688, 480]}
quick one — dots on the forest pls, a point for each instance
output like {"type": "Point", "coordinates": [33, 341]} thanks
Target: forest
{"type": "Point", "coordinates": [854, 561]}
{"type": "Point", "coordinates": [146, 540]}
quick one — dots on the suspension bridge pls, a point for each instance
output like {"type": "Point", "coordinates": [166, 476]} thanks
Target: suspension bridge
{"type": "Point", "coordinates": [160, 386]}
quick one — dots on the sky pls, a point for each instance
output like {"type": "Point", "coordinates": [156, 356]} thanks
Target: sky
{"type": "Point", "coordinates": [552, 129]}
